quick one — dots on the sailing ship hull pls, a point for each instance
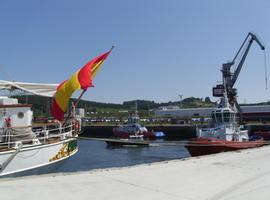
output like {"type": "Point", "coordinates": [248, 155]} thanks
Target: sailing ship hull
{"type": "Point", "coordinates": [205, 146]}
{"type": "Point", "coordinates": [38, 157]}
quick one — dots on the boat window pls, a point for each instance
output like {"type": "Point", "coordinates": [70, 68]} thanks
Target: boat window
{"type": "Point", "coordinates": [218, 117]}
{"type": "Point", "coordinates": [232, 116]}
{"type": "Point", "coordinates": [3, 112]}
{"type": "Point", "coordinates": [20, 115]}
{"type": "Point", "coordinates": [226, 116]}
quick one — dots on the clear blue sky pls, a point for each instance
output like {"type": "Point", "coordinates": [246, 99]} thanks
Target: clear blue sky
{"type": "Point", "coordinates": [163, 47]}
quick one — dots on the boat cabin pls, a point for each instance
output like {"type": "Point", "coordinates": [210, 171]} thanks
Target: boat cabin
{"type": "Point", "coordinates": [224, 126]}
{"type": "Point", "coordinates": [223, 116]}
{"type": "Point", "coordinates": [133, 119]}
{"type": "Point", "coordinates": [15, 117]}
{"type": "Point", "coordinates": [13, 114]}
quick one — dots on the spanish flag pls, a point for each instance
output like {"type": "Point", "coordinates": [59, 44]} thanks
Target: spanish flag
{"type": "Point", "coordinates": [82, 79]}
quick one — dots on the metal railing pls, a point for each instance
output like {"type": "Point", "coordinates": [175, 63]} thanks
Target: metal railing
{"type": "Point", "coordinates": [42, 134]}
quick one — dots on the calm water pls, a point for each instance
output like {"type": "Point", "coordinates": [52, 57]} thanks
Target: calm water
{"type": "Point", "coordinates": [96, 155]}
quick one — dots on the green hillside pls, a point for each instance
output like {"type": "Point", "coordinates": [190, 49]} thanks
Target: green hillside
{"type": "Point", "coordinates": [41, 105]}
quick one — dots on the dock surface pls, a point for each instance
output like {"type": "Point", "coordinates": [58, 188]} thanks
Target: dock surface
{"type": "Point", "coordinates": [231, 175]}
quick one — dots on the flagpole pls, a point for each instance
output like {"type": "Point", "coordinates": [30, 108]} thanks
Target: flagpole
{"type": "Point", "coordinates": [112, 47]}
{"type": "Point", "coordinates": [71, 107]}
{"type": "Point", "coordinates": [79, 98]}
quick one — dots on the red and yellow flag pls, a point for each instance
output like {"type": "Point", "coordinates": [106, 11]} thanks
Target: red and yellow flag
{"type": "Point", "coordinates": [82, 79]}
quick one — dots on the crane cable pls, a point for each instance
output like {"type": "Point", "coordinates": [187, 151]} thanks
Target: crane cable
{"type": "Point", "coordinates": [265, 71]}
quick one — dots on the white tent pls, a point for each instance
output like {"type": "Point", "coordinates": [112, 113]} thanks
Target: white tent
{"type": "Point", "coordinates": [41, 89]}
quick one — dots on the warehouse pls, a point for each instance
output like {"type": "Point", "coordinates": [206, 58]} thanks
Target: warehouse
{"type": "Point", "coordinates": [250, 113]}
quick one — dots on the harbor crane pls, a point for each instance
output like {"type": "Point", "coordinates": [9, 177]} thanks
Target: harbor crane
{"type": "Point", "coordinates": [229, 78]}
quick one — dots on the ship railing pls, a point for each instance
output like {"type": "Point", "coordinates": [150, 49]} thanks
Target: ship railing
{"type": "Point", "coordinates": [44, 134]}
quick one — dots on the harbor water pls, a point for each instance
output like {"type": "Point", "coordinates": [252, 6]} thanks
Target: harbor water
{"type": "Point", "coordinates": [94, 154]}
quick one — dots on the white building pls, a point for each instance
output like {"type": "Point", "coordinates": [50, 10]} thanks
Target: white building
{"type": "Point", "coordinates": [261, 111]}
{"type": "Point", "coordinates": [80, 112]}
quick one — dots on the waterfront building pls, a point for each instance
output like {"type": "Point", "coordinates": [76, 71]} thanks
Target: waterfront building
{"type": "Point", "coordinates": [258, 112]}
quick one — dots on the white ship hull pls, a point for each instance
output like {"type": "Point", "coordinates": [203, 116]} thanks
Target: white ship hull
{"type": "Point", "coordinates": [36, 156]}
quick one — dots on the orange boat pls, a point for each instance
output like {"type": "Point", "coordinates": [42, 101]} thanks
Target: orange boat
{"type": "Point", "coordinates": [205, 146]}
{"type": "Point", "coordinates": [133, 129]}
{"type": "Point", "coordinates": [225, 133]}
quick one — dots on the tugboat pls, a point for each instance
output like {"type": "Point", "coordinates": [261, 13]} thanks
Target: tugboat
{"type": "Point", "coordinates": [134, 130]}
{"type": "Point", "coordinates": [225, 133]}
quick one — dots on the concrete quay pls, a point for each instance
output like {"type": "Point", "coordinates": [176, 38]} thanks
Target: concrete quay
{"type": "Point", "coordinates": [232, 175]}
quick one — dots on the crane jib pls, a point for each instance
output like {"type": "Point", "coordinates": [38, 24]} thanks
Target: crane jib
{"type": "Point", "coordinates": [229, 78]}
